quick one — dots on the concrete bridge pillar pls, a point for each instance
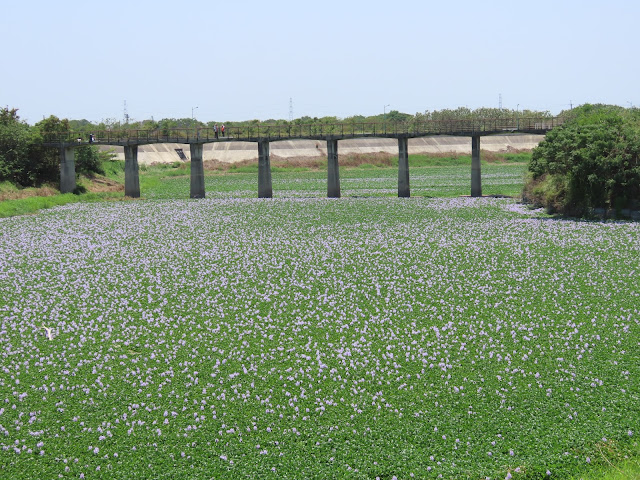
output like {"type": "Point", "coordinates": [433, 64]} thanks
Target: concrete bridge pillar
{"type": "Point", "coordinates": [265, 189]}
{"type": "Point", "coordinates": [67, 170]}
{"type": "Point", "coordinates": [197, 171]}
{"type": "Point", "coordinates": [476, 180]}
{"type": "Point", "coordinates": [403, 167]}
{"type": "Point", "coordinates": [333, 172]}
{"type": "Point", "coordinates": [131, 172]}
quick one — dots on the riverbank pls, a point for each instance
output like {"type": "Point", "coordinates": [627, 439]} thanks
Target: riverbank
{"type": "Point", "coordinates": [233, 152]}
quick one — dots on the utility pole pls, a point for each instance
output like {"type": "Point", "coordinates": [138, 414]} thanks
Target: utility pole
{"type": "Point", "coordinates": [290, 109]}
{"type": "Point", "coordinates": [384, 115]}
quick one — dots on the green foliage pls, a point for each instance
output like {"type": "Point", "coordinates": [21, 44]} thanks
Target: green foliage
{"type": "Point", "coordinates": [590, 162]}
{"type": "Point", "coordinates": [418, 343]}
{"type": "Point", "coordinates": [79, 125]}
{"type": "Point", "coordinates": [464, 113]}
{"type": "Point", "coordinates": [112, 168]}
{"type": "Point", "coordinates": [449, 177]}
{"type": "Point", "coordinates": [23, 159]}
{"type": "Point", "coordinates": [88, 160]}
{"type": "Point", "coordinates": [15, 141]}
{"type": "Point", "coordinates": [164, 126]}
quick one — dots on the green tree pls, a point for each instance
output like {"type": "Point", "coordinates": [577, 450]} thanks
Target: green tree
{"type": "Point", "coordinates": [394, 116]}
{"type": "Point", "coordinates": [88, 160]}
{"type": "Point", "coordinates": [16, 138]}
{"type": "Point", "coordinates": [48, 158]}
{"type": "Point", "coordinates": [592, 161]}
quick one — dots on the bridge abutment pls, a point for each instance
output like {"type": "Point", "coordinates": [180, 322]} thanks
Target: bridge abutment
{"type": "Point", "coordinates": [403, 167]}
{"type": "Point", "coordinates": [476, 179]}
{"type": "Point", "coordinates": [197, 171]}
{"type": "Point", "coordinates": [333, 172]}
{"type": "Point", "coordinates": [67, 170]}
{"type": "Point", "coordinates": [131, 172]}
{"type": "Point", "coordinates": [265, 189]}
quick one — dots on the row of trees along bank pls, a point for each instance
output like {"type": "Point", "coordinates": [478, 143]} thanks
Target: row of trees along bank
{"type": "Point", "coordinates": [25, 162]}
{"type": "Point", "coordinates": [393, 116]}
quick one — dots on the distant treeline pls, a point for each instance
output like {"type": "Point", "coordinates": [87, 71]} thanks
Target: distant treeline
{"type": "Point", "coordinates": [393, 116]}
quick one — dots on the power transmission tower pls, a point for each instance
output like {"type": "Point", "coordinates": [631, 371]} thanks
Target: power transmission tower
{"type": "Point", "coordinates": [126, 115]}
{"type": "Point", "coordinates": [500, 102]}
{"type": "Point", "coordinates": [290, 109]}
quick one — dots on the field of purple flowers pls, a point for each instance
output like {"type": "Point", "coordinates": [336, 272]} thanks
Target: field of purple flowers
{"type": "Point", "coordinates": [315, 338]}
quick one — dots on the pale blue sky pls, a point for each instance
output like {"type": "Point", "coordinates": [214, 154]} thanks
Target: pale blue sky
{"type": "Point", "coordinates": [238, 60]}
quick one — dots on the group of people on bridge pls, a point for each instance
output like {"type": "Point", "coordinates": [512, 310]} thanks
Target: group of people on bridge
{"type": "Point", "coordinates": [217, 130]}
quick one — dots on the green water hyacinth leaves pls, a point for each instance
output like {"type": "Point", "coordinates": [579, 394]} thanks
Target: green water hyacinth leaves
{"type": "Point", "coordinates": [314, 338]}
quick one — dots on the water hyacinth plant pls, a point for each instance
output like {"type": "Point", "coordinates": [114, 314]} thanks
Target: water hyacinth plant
{"type": "Point", "coordinates": [314, 338]}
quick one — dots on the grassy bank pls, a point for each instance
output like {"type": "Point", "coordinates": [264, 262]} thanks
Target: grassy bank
{"type": "Point", "coordinates": [361, 175]}
{"type": "Point", "coordinates": [15, 200]}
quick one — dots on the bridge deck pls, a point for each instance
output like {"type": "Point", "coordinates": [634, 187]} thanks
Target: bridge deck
{"type": "Point", "coordinates": [468, 128]}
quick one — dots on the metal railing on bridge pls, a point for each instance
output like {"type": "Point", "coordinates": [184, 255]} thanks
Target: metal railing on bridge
{"type": "Point", "coordinates": [307, 131]}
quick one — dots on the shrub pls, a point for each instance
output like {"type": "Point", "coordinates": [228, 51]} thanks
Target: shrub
{"type": "Point", "coordinates": [590, 162]}
{"type": "Point", "coordinates": [88, 160]}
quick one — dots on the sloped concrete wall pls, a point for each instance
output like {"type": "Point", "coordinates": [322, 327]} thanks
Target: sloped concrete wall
{"type": "Point", "coordinates": [238, 151]}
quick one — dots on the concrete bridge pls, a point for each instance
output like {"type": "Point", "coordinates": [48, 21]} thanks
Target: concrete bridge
{"type": "Point", "coordinates": [264, 135]}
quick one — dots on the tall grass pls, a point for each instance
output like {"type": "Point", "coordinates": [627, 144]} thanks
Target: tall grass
{"type": "Point", "coordinates": [627, 468]}
{"type": "Point", "coordinates": [28, 205]}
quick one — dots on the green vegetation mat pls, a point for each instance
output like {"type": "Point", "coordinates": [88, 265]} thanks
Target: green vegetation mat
{"type": "Point", "coordinates": [317, 338]}
{"type": "Point", "coordinates": [367, 181]}
{"type": "Point", "coordinates": [430, 177]}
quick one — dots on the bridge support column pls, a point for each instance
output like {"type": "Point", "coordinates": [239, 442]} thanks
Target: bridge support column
{"type": "Point", "coordinates": [403, 167]}
{"type": "Point", "coordinates": [333, 171]}
{"type": "Point", "coordinates": [265, 189]}
{"type": "Point", "coordinates": [131, 172]}
{"type": "Point", "coordinates": [67, 170]}
{"type": "Point", "coordinates": [197, 171]}
{"type": "Point", "coordinates": [476, 179]}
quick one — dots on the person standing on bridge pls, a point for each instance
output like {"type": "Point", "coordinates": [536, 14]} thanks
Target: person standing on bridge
{"type": "Point", "coordinates": [215, 130]}
{"type": "Point", "coordinates": [222, 129]}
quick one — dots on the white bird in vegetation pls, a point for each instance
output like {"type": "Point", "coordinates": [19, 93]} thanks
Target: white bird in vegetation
{"type": "Point", "coordinates": [49, 335]}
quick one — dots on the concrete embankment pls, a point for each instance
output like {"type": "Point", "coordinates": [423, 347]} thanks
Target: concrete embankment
{"type": "Point", "coordinates": [230, 152]}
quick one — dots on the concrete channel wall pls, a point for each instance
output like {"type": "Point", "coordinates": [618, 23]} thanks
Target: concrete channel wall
{"type": "Point", "coordinates": [230, 152]}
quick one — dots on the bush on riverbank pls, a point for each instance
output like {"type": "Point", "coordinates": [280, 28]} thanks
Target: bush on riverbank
{"type": "Point", "coordinates": [591, 162]}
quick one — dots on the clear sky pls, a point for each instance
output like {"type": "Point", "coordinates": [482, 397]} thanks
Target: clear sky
{"type": "Point", "coordinates": [239, 60]}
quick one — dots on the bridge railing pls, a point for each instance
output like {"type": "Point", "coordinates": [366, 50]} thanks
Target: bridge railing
{"type": "Point", "coordinates": [315, 131]}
